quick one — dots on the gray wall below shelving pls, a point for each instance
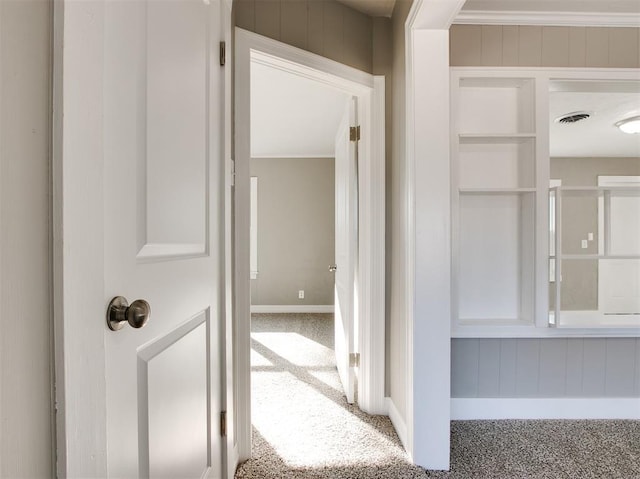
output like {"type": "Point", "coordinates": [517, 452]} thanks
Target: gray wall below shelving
{"type": "Point", "coordinates": [545, 368]}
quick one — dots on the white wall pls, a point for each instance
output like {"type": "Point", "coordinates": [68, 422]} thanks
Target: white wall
{"type": "Point", "coordinates": [26, 448]}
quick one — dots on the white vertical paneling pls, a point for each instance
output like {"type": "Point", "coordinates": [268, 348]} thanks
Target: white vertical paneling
{"type": "Point", "coordinates": [26, 448]}
{"type": "Point", "coordinates": [553, 368]}
{"type": "Point", "coordinates": [489, 368]}
{"type": "Point", "coordinates": [637, 369]}
{"type": "Point", "coordinates": [619, 370]}
{"type": "Point", "coordinates": [527, 367]}
{"type": "Point", "coordinates": [575, 366]}
{"type": "Point", "coordinates": [594, 372]}
{"type": "Point", "coordinates": [464, 366]}
{"type": "Point", "coordinates": [508, 374]}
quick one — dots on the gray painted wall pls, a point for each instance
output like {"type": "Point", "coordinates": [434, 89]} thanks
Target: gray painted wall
{"type": "Point", "coordinates": [605, 367]}
{"type": "Point", "coordinates": [535, 46]}
{"type": "Point", "coordinates": [549, 368]}
{"type": "Point", "coordinates": [325, 27]}
{"type": "Point", "coordinates": [26, 446]}
{"type": "Point", "coordinates": [296, 231]}
{"type": "Point", "coordinates": [580, 216]}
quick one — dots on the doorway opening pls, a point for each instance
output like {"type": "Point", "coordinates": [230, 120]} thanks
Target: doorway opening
{"type": "Point", "coordinates": [364, 200]}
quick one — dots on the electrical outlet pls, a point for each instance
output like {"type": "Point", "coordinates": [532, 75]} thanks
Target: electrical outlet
{"type": "Point", "coordinates": [301, 294]}
{"type": "Point", "coordinates": [585, 244]}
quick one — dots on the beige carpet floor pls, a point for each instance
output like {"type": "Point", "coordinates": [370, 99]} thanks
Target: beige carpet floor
{"type": "Point", "coordinates": [303, 427]}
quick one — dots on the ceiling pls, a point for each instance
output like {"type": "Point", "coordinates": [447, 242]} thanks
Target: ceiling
{"type": "Point", "coordinates": [373, 8]}
{"type": "Point", "coordinates": [292, 116]}
{"type": "Point", "coordinates": [596, 136]}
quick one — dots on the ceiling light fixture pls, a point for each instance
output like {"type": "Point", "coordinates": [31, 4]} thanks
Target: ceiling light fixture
{"type": "Point", "coordinates": [630, 125]}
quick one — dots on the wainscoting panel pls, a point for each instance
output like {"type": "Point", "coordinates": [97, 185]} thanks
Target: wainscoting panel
{"type": "Point", "coordinates": [545, 368]}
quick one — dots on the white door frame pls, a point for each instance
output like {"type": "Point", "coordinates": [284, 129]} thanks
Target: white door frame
{"type": "Point", "coordinates": [370, 91]}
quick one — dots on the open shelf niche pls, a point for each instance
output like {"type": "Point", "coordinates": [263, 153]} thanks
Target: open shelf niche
{"type": "Point", "coordinates": [494, 199]}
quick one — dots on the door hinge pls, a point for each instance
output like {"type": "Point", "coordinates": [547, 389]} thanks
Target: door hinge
{"type": "Point", "coordinates": [233, 173]}
{"type": "Point", "coordinates": [354, 133]}
{"type": "Point", "coordinates": [223, 423]}
{"type": "Point", "coordinates": [223, 53]}
{"type": "Point", "coordinates": [354, 360]}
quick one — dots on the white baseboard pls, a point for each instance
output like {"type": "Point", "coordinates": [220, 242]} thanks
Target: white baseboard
{"type": "Point", "coordinates": [545, 408]}
{"type": "Point", "coordinates": [292, 308]}
{"type": "Point", "coordinates": [398, 422]}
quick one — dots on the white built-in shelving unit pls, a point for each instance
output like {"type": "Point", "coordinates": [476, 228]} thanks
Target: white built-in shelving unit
{"type": "Point", "coordinates": [494, 147]}
{"type": "Point", "coordinates": [500, 202]}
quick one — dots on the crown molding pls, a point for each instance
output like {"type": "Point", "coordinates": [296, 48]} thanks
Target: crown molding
{"type": "Point", "coordinates": [565, 19]}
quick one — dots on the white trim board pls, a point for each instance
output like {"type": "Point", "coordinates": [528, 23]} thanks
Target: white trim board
{"type": "Point", "coordinates": [544, 408]}
{"type": "Point", "coordinates": [292, 308]}
{"type": "Point", "coordinates": [561, 19]}
{"type": "Point", "coordinates": [399, 424]}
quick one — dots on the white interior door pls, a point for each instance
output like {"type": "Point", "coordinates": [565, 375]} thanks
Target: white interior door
{"type": "Point", "coordinates": [163, 176]}
{"type": "Point", "coordinates": [619, 279]}
{"type": "Point", "coordinates": [346, 210]}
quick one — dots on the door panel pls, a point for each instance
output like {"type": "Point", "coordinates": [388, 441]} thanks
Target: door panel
{"type": "Point", "coordinates": [177, 442]}
{"type": "Point", "coordinates": [345, 249]}
{"type": "Point", "coordinates": [176, 52]}
{"type": "Point", "coordinates": [163, 179]}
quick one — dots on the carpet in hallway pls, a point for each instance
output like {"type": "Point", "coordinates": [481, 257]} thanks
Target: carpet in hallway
{"type": "Point", "coordinates": [303, 427]}
{"type": "Point", "coordinates": [302, 424]}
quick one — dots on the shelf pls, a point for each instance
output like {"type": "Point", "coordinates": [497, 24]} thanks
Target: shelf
{"type": "Point", "coordinates": [495, 191]}
{"type": "Point", "coordinates": [597, 256]}
{"type": "Point", "coordinates": [472, 138]}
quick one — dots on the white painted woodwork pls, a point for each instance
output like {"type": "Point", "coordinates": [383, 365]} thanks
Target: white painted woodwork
{"type": "Point", "coordinates": [429, 328]}
{"type": "Point", "coordinates": [465, 409]}
{"type": "Point", "coordinates": [603, 13]}
{"type": "Point", "coordinates": [428, 254]}
{"type": "Point", "coordinates": [500, 212]}
{"type": "Point", "coordinates": [368, 89]}
{"type": "Point", "coordinates": [253, 228]}
{"type": "Point", "coordinates": [346, 211]}
{"type": "Point", "coordinates": [26, 345]}
{"type": "Point", "coordinates": [619, 279]}
{"type": "Point", "coordinates": [139, 192]}
{"type": "Point", "coordinates": [171, 96]}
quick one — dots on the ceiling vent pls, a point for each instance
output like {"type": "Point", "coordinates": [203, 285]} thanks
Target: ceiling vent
{"type": "Point", "coordinates": [573, 117]}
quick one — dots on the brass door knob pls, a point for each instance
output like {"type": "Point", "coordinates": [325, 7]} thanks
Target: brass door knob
{"type": "Point", "coordinates": [119, 312]}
